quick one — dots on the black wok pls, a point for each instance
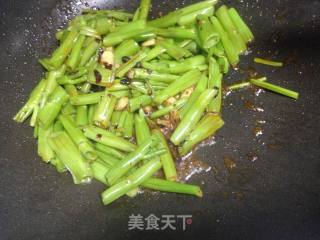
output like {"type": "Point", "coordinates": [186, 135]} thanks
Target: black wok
{"type": "Point", "coordinates": [274, 197]}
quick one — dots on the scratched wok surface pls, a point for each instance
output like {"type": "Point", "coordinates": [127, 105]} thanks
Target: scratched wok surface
{"type": "Point", "coordinates": [274, 197]}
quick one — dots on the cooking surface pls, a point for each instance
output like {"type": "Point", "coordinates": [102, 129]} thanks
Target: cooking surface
{"type": "Point", "coordinates": [274, 197]}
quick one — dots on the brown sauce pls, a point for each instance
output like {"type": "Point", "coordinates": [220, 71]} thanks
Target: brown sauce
{"type": "Point", "coordinates": [190, 166]}
{"type": "Point", "coordinates": [229, 163]}
{"type": "Point", "coordinates": [250, 72]}
{"type": "Point", "coordinates": [238, 196]}
{"type": "Point", "coordinates": [250, 106]}
{"type": "Point", "coordinates": [273, 146]}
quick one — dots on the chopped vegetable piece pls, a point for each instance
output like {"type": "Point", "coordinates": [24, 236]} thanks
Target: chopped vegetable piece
{"type": "Point", "coordinates": [132, 181]}
{"type": "Point", "coordinates": [267, 62]}
{"type": "Point", "coordinates": [206, 128]}
{"type": "Point", "coordinates": [68, 153]}
{"type": "Point", "coordinates": [275, 88]}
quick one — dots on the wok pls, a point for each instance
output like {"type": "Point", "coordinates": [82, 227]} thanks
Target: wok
{"type": "Point", "coordinates": [274, 197]}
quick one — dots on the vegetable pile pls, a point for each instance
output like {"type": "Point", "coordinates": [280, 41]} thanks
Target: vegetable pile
{"type": "Point", "coordinates": [122, 92]}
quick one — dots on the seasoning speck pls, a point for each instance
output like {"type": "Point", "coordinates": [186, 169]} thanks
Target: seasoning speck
{"type": "Point", "coordinates": [108, 66]}
{"type": "Point", "coordinates": [257, 131]}
{"type": "Point", "coordinates": [98, 76]}
{"type": "Point", "coordinates": [252, 157]}
{"type": "Point", "coordinates": [125, 59]}
{"type": "Point", "coordinates": [99, 136]}
{"type": "Point", "coordinates": [138, 65]}
{"type": "Point", "coordinates": [100, 52]}
{"type": "Point", "coordinates": [125, 81]}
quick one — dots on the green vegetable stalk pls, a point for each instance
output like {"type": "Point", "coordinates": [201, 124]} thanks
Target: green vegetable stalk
{"type": "Point", "coordinates": [192, 117]}
{"type": "Point", "coordinates": [70, 156]}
